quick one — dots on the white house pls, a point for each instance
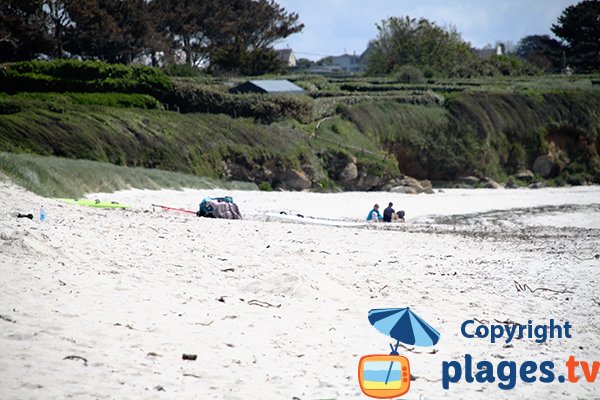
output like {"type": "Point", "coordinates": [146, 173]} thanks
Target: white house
{"type": "Point", "coordinates": [287, 57]}
{"type": "Point", "coordinates": [348, 63]}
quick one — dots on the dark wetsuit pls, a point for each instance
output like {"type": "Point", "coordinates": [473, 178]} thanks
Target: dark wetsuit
{"type": "Point", "coordinates": [387, 214]}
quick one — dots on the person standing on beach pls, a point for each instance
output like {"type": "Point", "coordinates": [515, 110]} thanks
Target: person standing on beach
{"type": "Point", "coordinates": [374, 214]}
{"type": "Point", "coordinates": [389, 213]}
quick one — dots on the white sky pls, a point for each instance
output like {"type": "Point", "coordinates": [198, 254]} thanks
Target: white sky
{"type": "Point", "coordinates": [333, 27]}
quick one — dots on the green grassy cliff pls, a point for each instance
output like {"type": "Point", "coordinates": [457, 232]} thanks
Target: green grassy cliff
{"type": "Point", "coordinates": [348, 133]}
{"type": "Point", "coordinates": [489, 134]}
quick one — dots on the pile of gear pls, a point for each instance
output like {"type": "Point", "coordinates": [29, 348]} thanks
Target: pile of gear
{"type": "Point", "coordinates": [219, 207]}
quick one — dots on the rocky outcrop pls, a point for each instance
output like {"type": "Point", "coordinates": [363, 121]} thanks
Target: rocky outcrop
{"type": "Point", "coordinates": [489, 183]}
{"type": "Point", "coordinates": [349, 173]}
{"type": "Point", "coordinates": [294, 180]}
{"type": "Point", "coordinates": [367, 181]}
{"type": "Point", "coordinates": [546, 166]}
{"type": "Point", "coordinates": [408, 185]}
{"type": "Point", "coordinates": [526, 175]}
{"type": "Point", "coordinates": [469, 180]}
{"type": "Point", "coordinates": [537, 185]}
{"type": "Point", "coordinates": [404, 190]}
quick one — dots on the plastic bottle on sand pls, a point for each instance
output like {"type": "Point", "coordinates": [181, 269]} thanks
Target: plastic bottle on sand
{"type": "Point", "coordinates": [42, 214]}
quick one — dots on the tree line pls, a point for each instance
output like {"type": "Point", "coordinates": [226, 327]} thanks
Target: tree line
{"type": "Point", "coordinates": [225, 35]}
{"type": "Point", "coordinates": [238, 36]}
{"type": "Point", "coordinates": [422, 44]}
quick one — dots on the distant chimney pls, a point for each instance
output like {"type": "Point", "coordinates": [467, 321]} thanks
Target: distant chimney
{"type": "Point", "coordinates": [500, 49]}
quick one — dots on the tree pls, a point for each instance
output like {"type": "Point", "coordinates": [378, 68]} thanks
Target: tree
{"type": "Point", "coordinates": [542, 51]}
{"type": "Point", "coordinates": [110, 30]}
{"type": "Point", "coordinates": [252, 27]}
{"type": "Point", "coordinates": [420, 43]}
{"type": "Point", "coordinates": [57, 23]}
{"type": "Point", "coordinates": [23, 33]}
{"type": "Point", "coordinates": [325, 61]}
{"type": "Point", "coordinates": [579, 27]}
{"type": "Point", "coordinates": [232, 35]}
{"type": "Point", "coordinates": [191, 26]}
{"type": "Point", "coordinates": [304, 63]}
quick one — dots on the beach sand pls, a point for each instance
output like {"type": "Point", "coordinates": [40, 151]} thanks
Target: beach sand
{"type": "Point", "coordinates": [99, 303]}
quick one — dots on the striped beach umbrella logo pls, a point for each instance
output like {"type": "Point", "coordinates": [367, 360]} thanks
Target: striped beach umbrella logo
{"type": "Point", "coordinates": [404, 325]}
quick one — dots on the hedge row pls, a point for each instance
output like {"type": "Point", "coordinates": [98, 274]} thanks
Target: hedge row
{"type": "Point", "coordinates": [120, 100]}
{"type": "Point", "coordinates": [367, 87]}
{"type": "Point", "coordinates": [8, 106]}
{"type": "Point", "coordinates": [495, 66]}
{"type": "Point", "coordinates": [378, 95]}
{"type": "Point", "coordinates": [328, 106]}
{"type": "Point", "coordinates": [70, 76]}
{"type": "Point", "coordinates": [194, 98]}
{"type": "Point", "coordinates": [81, 76]}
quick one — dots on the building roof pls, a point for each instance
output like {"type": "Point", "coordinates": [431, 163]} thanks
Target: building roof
{"type": "Point", "coordinates": [272, 86]}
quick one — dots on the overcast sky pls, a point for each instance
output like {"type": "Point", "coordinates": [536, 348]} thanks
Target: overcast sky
{"type": "Point", "coordinates": [333, 27]}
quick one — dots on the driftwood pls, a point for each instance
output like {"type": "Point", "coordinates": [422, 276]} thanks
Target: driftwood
{"type": "Point", "coordinates": [524, 287]}
{"type": "Point", "coordinates": [7, 318]}
{"type": "Point", "coordinates": [85, 361]}
{"type": "Point", "coordinates": [262, 304]}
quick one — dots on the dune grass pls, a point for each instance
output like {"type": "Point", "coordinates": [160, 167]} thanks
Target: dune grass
{"type": "Point", "coordinates": [61, 177]}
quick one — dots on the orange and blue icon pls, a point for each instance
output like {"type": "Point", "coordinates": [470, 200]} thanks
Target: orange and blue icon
{"type": "Point", "coordinates": [384, 376]}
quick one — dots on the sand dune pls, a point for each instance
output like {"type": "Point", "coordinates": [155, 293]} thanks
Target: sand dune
{"type": "Point", "coordinates": [103, 303]}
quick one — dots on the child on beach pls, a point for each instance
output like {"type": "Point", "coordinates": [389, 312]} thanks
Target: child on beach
{"type": "Point", "coordinates": [399, 216]}
{"type": "Point", "coordinates": [374, 215]}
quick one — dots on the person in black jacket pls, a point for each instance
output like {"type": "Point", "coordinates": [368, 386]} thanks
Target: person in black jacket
{"type": "Point", "coordinates": [389, 213]}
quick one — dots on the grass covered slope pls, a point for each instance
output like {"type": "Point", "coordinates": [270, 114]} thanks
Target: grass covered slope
{"type": "Point", "coordinates": [353, 133]}
{"type": "Point", "coordinates": [190, 143]}
{"type": "Point", "coordinates": [488, 134]}
{"type": "Point", "coordinates": [60, 177]}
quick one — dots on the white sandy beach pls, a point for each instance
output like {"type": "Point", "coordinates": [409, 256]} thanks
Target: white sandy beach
{"type": "Point", "coordinates": [278, 310]}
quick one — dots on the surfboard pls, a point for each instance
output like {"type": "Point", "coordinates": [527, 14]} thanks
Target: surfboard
{"type": "Point", "coordinates": [94, 203]}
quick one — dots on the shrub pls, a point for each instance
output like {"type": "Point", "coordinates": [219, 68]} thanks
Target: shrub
{"type": "Point", "coordinates": [300, 108]}
{"type": "Point", "coordinates": [328, 106]}
{"type": "Point", "coordinates": [313, 82]}
{"type": "Point", "coordinates": [495, 66]}
{"type": "Point", "coordinates": [81, 76]}
{"type": "Point", "coordinates": [267, 108]}
{"type": "Point", "coordinates": [121, 100]}
{"type": "Point", "coordinates": [182, 70]}
{"type": "Point", "coordinates": [9, 107]}
{"type": "Point", "coordinates": [409, 74]}
{"type": "Point", "coordinates": [265, 187]}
